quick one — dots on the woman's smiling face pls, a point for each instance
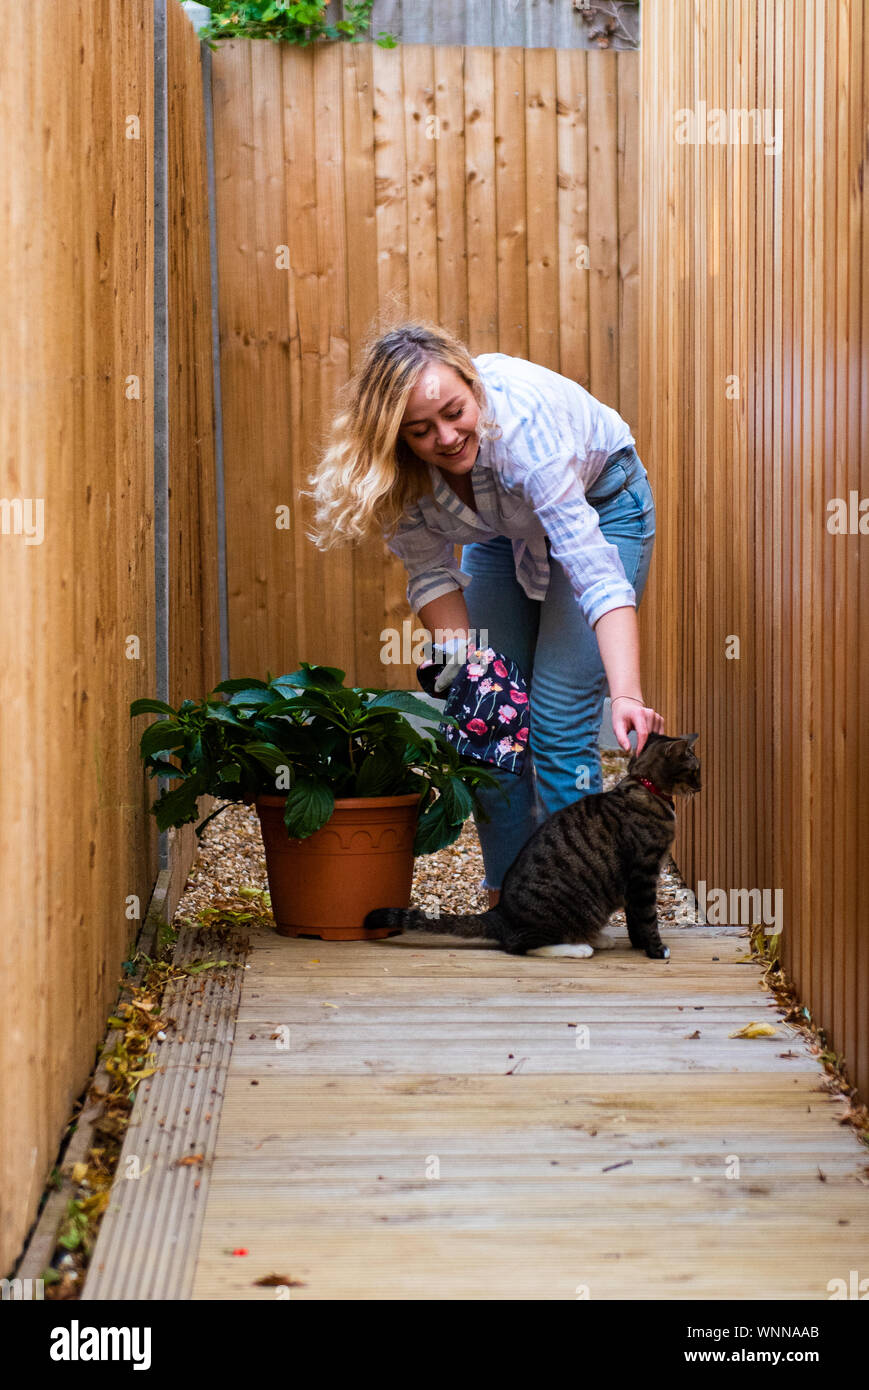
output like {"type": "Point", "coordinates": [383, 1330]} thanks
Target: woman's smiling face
{"type": "Point", "coordinates": [440, 420]}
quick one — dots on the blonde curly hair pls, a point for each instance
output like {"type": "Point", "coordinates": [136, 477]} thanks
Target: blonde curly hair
{"type": "Point", "coordinates": [367, 476]}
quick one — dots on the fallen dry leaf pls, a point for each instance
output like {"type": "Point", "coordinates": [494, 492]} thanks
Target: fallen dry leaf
{"type": "Point", "coordinates": [695, 1034]}
{"type": "Point", "coordinates": [271, 1281]}
{"type": "Point", "coordinates": [755, 1030]}
{"type": "Point", "coordinates": [188, 1161]}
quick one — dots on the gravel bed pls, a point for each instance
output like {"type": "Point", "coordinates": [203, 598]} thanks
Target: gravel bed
{"type": "Point", "coordinates": [231, 856]}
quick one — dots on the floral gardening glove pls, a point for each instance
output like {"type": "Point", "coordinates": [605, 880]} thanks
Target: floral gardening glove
{"type": "Point", "coordinates": [438, 671]}
{"type": "Point", "coordinates": [492, 712]}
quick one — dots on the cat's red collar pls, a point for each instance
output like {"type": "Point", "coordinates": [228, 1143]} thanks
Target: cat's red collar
{"type": "Point", "coordinates": [656, 791]}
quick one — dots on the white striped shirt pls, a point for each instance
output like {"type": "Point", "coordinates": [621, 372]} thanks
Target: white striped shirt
{"type": "Point", "coordinates": [528, 485]}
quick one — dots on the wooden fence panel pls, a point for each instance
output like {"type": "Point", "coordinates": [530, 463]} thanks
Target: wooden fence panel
{"type": "Point", "coordinates": [77, 622]}
{"type": "Point", "coordinates": [362, 277]}
{"type": "Point", "coordinates": [194, 653]}
{"type": "Point", "coordinates": [753, 416]}
{"type": "Point", "coordinates": [442, 182]}
{"type": "Point", "coordinates": [77, 431]}
{"type": "Point", "coordinates": [194, 621]}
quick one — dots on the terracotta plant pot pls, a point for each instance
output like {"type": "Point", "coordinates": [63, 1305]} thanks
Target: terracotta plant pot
{"type": "Point", "coordinates": [360, 859]}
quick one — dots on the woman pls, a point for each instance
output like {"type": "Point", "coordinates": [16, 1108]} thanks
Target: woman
{"type": "Point", "coordinates": [543, 485]}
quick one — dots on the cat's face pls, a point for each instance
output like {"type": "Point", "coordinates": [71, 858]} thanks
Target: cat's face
{"type": "Point", "coordinates": [670, 762]}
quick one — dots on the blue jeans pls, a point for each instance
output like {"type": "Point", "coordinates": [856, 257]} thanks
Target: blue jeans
{"type": "Point", "coordinates": [560, 659]}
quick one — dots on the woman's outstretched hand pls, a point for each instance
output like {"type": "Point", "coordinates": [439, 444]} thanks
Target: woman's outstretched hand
{"type": "Point", "coordinates": [633, 714]}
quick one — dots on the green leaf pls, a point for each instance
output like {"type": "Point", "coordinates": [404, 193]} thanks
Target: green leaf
{"type": "Point", "coordinates": [458, 802]}
{"type": "Point", "coordinates": [314, 702]}
{"type": "Point", "coordinates": [240, 683]}
{"type": "Point", "coordinates": [250, 696]}
{"type": "Point", "coordinates": [310, 677]}
{"type": "Point", "coordinates": [379, 774]}
{"type": "Point", "coordinates": [408, 704]}
{"type": "Point", "coordinates": [194, 753]}
{"type": "Point", "coordinates": [308, 13]}
{"type": "Point", "coordinates": [324, 739]}
{"type": "Point", "coordinates": [179, 807]}
{"type": "Point", "coordinates": [311, 702]}
{"type": "Point", "coordinates": [270, 756]}
{"type": "Point", "coordinates": [434, 829]}
{"type": "Point", "coordinates": [310, 803]}
{"type": "Point", "coordinates": [225, 715]}
{"type": "Point", "coordinates": [285, 704]}
{"type": "Point", "coordinates": [290, 739]}
{"type": "Point", "coordinates": [150, 707]}
{"type": "Point", "coordinates": [163, 734]}
{"type": "Point", "coordinates": [230, 772]}
{"type": "Point", "coordinates": [197, 967]}
{"type": "Point", "coordinates": [161, 767]}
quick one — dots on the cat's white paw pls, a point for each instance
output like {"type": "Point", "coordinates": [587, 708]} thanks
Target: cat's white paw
{"type": "Point", "coordinates": [602, 942]}
{"type": "Point", "coordinates": [566, 948]}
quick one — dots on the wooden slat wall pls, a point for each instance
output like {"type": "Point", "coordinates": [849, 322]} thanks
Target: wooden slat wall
{"type": "Point", "coordinates": [194, 654]}
{"type": "Point", "coordinates": [325, 151]}
{"type": "Point", "coordinates": [754, 266]}
{"type": "Point", "coordinates": [194, 622]}
{"type": "Point", "coordinates": [77, 288]}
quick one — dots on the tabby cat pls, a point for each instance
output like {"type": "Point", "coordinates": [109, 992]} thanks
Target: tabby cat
{"type": "Point", "coordinates": [602, 853]}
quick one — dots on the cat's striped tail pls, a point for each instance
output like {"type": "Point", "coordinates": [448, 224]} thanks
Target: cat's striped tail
{"type": "Point", "coordinates": [478, 924]}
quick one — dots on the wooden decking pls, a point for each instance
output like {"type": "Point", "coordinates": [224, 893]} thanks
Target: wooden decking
{"type": "Point", "coordinates": [429, 1129]}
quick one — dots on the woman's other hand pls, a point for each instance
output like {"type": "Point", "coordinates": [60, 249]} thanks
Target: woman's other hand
{"type": "Point", "coordinates": [619, 641]}
{"type": "Point", "coordinates": [630, 714]}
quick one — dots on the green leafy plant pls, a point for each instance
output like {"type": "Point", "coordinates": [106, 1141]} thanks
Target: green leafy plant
{"type": "Point", "coordinates": [309, 736]}
{"type": "Point", "coordinates": [283, 21]}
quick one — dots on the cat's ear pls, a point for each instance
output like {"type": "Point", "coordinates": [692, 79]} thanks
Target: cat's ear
{"type": "Point", "coordinates": [678, 743]}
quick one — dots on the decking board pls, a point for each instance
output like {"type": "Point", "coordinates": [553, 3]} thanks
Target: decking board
{"type": "Point", "coordinates": [399, 1053]}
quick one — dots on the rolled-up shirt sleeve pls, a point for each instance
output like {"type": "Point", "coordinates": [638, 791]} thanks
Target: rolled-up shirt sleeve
{"type": "Point", "coordinates": [428, 557]}
{"type": "Point", "coordinates": [540, 461]}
